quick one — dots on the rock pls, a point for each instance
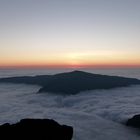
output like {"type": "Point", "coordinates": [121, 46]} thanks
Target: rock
{"type": "Point", "coordinates": [36, 129]}
{"type": "Point", "coordinates": [134, 121]}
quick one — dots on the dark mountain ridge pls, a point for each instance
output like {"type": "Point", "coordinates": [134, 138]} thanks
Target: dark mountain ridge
{"type": "Point", "coordinates": [73, 82]}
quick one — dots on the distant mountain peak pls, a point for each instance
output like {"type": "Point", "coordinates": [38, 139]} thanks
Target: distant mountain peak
{"type": "Point", "coordinates": [74, 82]}
{"type": "Point", "coordinates": [78, 71]}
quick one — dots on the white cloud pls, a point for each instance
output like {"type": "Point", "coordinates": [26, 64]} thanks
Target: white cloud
{"type": "Point", "coordinates": [93, 114]}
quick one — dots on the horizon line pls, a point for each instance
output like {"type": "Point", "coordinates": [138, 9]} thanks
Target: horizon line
{"type": "Point", "coordinates": [67, 66]}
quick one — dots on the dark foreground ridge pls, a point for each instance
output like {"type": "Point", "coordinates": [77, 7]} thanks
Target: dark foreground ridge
{"type": "Point", "coordinates": [73, 82]}
{"type": "Point", "coordinates": [36, 129]}
{"type": "Point", "coordinates": [134, 121]}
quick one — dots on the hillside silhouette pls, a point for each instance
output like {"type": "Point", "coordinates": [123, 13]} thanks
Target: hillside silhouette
{"type": "Point", "coordinates": [73, 82]}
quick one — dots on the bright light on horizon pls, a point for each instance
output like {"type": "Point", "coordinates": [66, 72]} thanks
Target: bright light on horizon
{"type": "Point", "coordinates": [75, 33]}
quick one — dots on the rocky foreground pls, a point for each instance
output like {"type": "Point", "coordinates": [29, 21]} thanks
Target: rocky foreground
{"type": "Point", "coordinates": [36, 129]}
{"type": "Point", "coordinates": [134, 121]}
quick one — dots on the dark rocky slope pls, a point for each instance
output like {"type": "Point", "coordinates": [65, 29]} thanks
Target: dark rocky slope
{"type": "Point", "coordinates": [134, 121]}
{"type": "Point", "coordinates": [36, 129]}
{"type": "Point", "coordinates": [74, 82]}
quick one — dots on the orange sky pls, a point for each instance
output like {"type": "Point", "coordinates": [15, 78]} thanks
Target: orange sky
{"type": "Point", "coordinates": [70, 34]}
{"type": "Point", "coordinates": [75, 59]}
{"type": "Point", "coordinates": [29, 57]}
{"type": "Point", "coordinates": [69, 65]}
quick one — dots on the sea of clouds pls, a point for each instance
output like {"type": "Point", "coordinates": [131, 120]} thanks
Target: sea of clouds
{"type": "Point", "coordinates": [98, 115]}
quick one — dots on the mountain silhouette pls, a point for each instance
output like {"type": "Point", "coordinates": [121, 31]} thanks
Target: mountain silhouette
{"type": "Point", "coordinates": [36, 129]}
{"type": "Point", "coordinates": [73, 82]}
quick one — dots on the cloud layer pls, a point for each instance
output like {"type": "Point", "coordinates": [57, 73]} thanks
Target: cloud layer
{"type": "Point", "coordinates": [94, 114]}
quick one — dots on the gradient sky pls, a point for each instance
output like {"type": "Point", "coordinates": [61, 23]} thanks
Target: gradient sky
{"type": "Point", "coordinates": [69, 33]}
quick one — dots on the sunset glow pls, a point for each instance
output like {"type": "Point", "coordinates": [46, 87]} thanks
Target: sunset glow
{"type": "Point", "coordinates": [69, 33]}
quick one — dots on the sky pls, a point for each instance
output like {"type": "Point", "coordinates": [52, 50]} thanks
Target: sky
{"type": "Point", "coordinates": [69, 33]}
